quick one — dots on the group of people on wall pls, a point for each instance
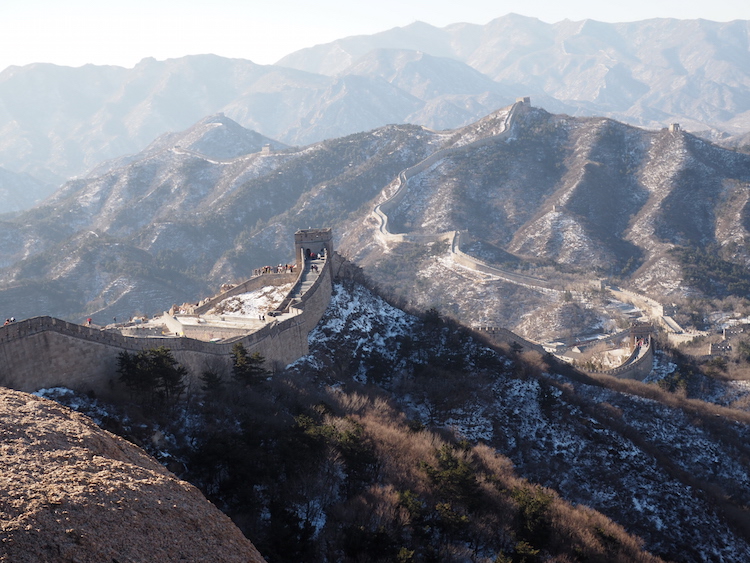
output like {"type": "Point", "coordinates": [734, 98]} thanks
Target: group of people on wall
{"type": "Point", "coordinates": [280, 269]}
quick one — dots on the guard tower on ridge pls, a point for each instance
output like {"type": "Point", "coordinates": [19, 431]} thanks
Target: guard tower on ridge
{"type": "Point", "coordinates": [312, 241]}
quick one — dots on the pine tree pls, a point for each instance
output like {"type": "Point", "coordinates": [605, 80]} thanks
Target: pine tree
{"type": "Point", "coordinates": [212, 381]}
{"type": "Point", "coordinates": [153, 375]}
{"type": "Point", "coordinates": [247, 369]}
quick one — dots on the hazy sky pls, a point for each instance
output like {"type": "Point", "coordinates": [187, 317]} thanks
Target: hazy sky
{"type": "Point", "coordinates": [76, 32]}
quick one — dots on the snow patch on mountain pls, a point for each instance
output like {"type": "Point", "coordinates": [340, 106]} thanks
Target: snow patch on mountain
{"type": "Point", "coordinates": [373, 324]}
{"type": "Point", "coordinates": [253, 303]}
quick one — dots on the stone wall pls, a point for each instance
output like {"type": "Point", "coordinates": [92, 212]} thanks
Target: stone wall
{"type": "Point", "coordinates": [646, 304]}
{"type": "Point", "coordinates": [252, 284]}
{"type": "Point", "coordinates": [499, 334]}
{"type": "Point", "coordinates": [635, 368]}
{"type": "Point", "coordinates": [381, 210]}
{"type": "Point", "coordinates": [47, 352]}
{"type": "Point", "coordinates": [475, 264]}
{"type": "Point", "coordinates": [312, 240]}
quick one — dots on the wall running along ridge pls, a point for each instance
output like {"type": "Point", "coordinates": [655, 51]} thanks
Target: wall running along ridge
{"type": "Point", "coordinates": [632, 369]}
{"type": "Point", "coordinates": [46, 352]}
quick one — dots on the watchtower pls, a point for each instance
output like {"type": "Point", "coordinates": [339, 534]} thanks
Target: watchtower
{"type": "Point", "coordinates": [640, 331]}
{"type": "Point", "coordinates": [312, 241]}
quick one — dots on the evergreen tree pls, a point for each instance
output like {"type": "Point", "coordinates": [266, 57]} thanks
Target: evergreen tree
{"type": "Point", "coordinates": [168, 375]}
{"type": "Point", "coordinates": [212, 381]}
{"type": "Point", "coordinates": [247, 368]}
{"type": "Point", "coordinates": [152, 375]}
{"type": "Point", "coordinates": [130, 372]}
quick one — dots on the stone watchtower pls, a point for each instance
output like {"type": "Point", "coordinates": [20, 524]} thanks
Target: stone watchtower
{"type": "Point", "coordinates": [639, 331]}
{"type": "Point", "coordinates": [314, 241]}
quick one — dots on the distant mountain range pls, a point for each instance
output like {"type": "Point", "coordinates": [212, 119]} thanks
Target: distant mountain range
{"type": "Point", "coordinates": [20, 191]}
{"type": "Point", "coordinates": [171, 223]}
{"type": "Point", "coordinates": [58, 122]}
{"type": "Point", "coordinates": [572, 198]}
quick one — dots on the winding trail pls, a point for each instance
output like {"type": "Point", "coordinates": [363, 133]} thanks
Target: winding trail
{"type": "Point", "coordinates": [380, 212]}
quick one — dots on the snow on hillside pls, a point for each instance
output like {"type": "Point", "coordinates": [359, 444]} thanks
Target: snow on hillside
{"type": "Point", "coordinates": [253, 303]}
{"type": "Point", "coordinates": [637, 460]}
{"type": "Point", "coordinates": [359, 324]}
{"type": "Point", "coordinates": [655, 469]}
{"type": "Point", "coordinates": [492, 125]}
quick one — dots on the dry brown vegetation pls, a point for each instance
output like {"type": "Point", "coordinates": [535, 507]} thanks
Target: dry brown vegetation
{"type": "Point", "coordinates": [313, 474]}
{"type": "Point", "coordinates": [523, 519]}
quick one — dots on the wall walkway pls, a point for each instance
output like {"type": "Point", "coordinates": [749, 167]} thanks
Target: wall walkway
{"type": "Point", "coordinates": [637, 366]}
{"type": "Point", "coordinates": [633, 368]}
{"type": "Point", "coordinates": [48, 352]}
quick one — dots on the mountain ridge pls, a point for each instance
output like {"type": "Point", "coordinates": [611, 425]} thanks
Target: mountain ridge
{"type": "Point", "coordinates": [59, 122]}
{"type": "Point", "coordinates": [561, 199]}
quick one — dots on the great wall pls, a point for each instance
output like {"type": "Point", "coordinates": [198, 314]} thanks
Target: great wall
{"type": "Point", "coordinates": [47, 352]}
{"type": "Point", "coordinates": [637, 366]}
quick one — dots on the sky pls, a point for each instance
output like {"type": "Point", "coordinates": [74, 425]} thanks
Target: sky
{"type": "Point", "coordinates": [117, 32]}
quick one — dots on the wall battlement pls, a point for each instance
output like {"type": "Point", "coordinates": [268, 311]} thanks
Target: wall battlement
{"type": "Point", "coordinates": [637, 366]}
{"type": "Point", "coordinates": [47, 352]}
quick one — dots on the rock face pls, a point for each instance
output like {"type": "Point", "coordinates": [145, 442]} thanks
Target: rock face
{"type": "Point", "coordinates": [70, 491]}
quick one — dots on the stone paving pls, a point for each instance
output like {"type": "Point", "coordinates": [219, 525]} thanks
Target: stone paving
{"type": "Point", "coordinates": [236, 323]}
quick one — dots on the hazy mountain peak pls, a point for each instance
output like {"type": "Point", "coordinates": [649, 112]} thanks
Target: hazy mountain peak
{"type": "Point", "coordinates": [332, 58]}
{"type": "Point", "coordinates": [58, 122]}
{"type": "Point", "coordinates": [218, 136]}
{"type": "Point", "coordinates": [215, 137]}
{"type": "Point", "coordinates": [420, 74]}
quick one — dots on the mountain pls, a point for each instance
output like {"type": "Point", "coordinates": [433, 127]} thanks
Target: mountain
{"type": "Point", "coordinates": [73, 492]}
{"type": "Point", "coordinates": [20, 191]}
{"type": "Point", "coordinates": [647, 72]}
{"type": "Point", "coordinates": [556, 199]}
{"type": "Point", "coordinates": [333, 58]}
{"type": "Point", "coordinates": [214, 137]}
{"type": "Point", "coordinates": [407, 436]}
{"type": "Point", "coordinates": [454, 92]}
{"type": "Point", "coordinates": [563, 199]}
{"type": "Point", "coordinates": [74, 118]}
{"type": "Point", "coordinates": [172, 224]}
{"type": "Point", "coordinates": [57, 122]}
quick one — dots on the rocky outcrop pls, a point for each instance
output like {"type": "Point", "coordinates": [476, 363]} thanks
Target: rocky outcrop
{"type": "Point", "coordinates": [72, 492]}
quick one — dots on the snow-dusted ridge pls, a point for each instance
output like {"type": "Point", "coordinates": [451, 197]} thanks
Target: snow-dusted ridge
{"type": "Point", "coordinates": [639, 461]}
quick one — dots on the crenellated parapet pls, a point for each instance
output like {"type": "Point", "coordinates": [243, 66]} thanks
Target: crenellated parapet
{"type": "Point", "coordinates": [638, 365]}
{"type": "Point", "coordinates": [47, 352]}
